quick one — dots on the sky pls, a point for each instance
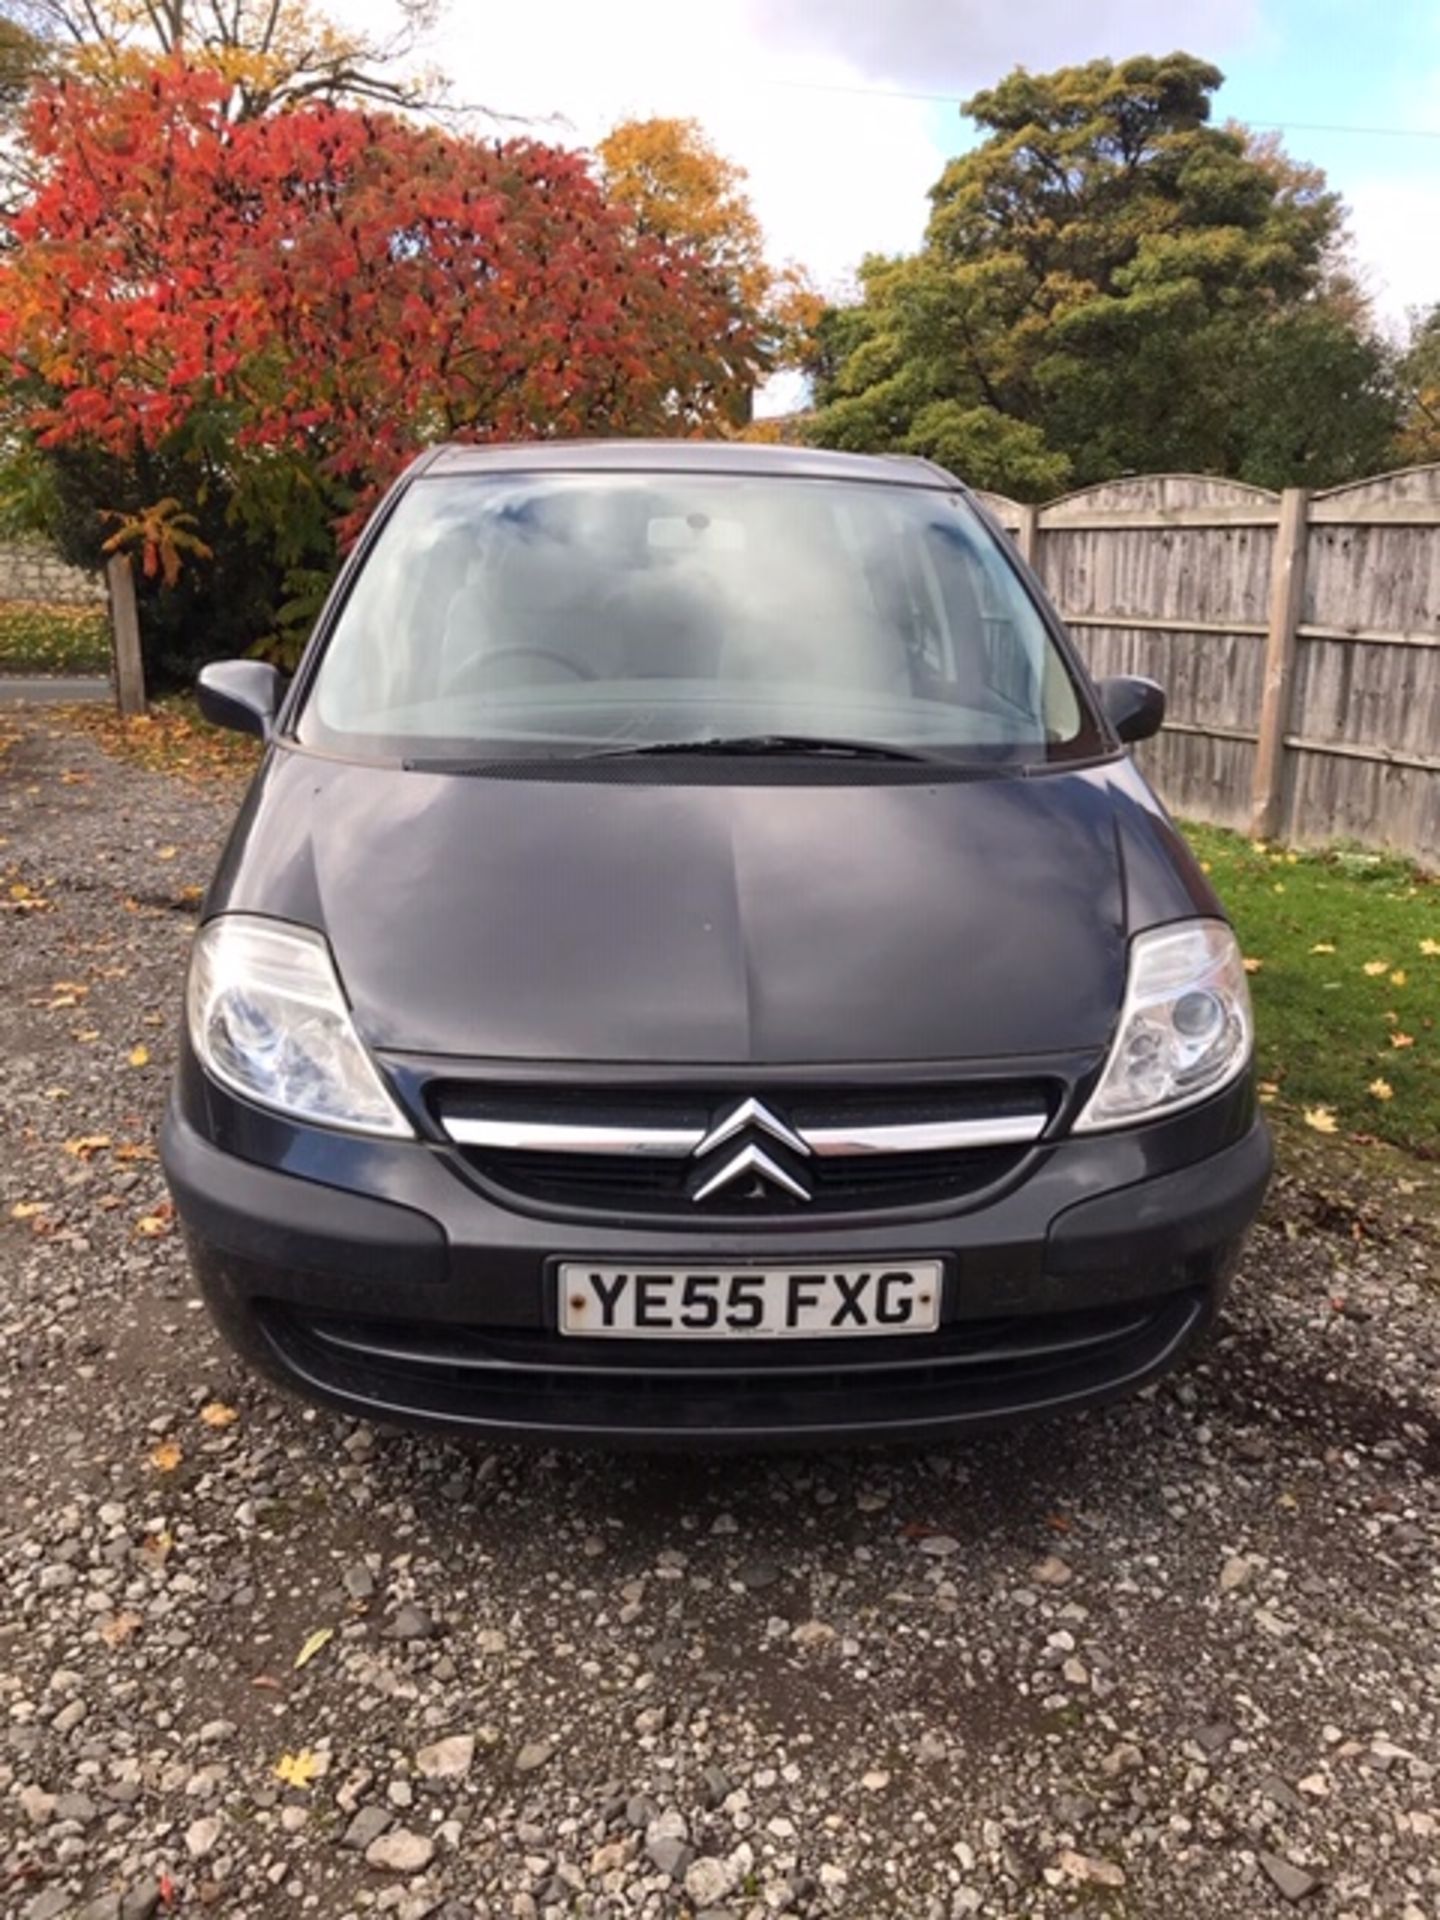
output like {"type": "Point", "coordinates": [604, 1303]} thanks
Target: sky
{"type": "Point", "coordinates": [817, 99]}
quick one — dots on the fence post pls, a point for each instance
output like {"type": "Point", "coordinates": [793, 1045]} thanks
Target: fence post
{"type": "Point", "coordinates": [1027, 527]}
{"type": "Point", "coordinates": [1287, 597]}
{"type": "Point", "coordinates": [125, 631]}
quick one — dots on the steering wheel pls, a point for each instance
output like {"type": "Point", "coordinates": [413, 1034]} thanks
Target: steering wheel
{"type": "Point", "coordinates": [482, 662]}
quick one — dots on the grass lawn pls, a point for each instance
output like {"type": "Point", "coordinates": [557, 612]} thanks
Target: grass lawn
{"type": "Point", "coordinates": [1344, 956]}
{"type": "Point", "coordinates": [39, 638]}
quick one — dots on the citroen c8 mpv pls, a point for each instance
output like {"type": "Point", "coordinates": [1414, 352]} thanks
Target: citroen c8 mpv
{"type": "Point", "coordinates": [697, 962]}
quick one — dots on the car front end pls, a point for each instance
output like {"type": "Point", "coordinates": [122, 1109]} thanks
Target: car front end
{"type": "Point", "coordinates": [756, 1088]}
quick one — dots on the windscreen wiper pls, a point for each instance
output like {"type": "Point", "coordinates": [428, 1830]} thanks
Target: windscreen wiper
{"type": "Point", "coordinates": [744, 745]}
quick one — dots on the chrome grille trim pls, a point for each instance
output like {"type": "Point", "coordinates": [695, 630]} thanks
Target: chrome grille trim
{"type": "Point", "coordinates": [679, 1143]}
{"type": "Point", "coordinates": [567, 1136]}
{"type": "Point", "coordinates": [927, 1136]}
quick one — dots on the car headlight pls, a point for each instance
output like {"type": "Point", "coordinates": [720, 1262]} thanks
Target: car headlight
{"type": "Point", "coordinates": [1185, 1029]}
{"type": "Point", "coordinates": [268, 1018]}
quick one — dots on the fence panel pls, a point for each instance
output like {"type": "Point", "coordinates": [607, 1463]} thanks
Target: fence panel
{"type": "Point", "coordinates": [1363, 747]}
{"type": "Point", "coordinates": [1182, 577]}
{"type": "Point", "coordinates": [1168, 576]}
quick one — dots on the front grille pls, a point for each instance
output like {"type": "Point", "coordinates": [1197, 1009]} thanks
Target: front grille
{"type": "Point", "coordinates": [848, 1150]}
{"type": "Point", "coordinates": [970, 1369]}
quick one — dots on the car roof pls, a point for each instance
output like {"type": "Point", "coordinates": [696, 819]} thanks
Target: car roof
{"type": "Point", "coordinates": [685, 456]}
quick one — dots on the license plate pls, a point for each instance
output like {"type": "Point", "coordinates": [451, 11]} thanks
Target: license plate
{"type": "Point", "coordinates": [771, 1303]}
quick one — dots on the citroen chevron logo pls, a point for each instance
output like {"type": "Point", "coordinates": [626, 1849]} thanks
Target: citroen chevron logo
{"type": "Point", "coordinates": [752, 1162]}
{"type": "Point", "coordinates": [758, 1164]}
{"type": "Point", "coordinates": [753, 1117]}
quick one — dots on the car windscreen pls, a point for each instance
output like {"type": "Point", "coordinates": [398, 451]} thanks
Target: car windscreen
{"type": "Point", "coordinates": [560, 615]}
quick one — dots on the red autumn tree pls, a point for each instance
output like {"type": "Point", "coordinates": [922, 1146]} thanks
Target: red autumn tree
{"type": "Point", "coordinates": [270, 317]}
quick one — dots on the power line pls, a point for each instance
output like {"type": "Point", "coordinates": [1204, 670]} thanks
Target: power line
{"type": "Point", "coordinates": [954, 100]}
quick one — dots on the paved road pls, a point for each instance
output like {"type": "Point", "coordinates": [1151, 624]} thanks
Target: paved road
{"type": "Point", "coordinates": [1180, 1658]}
{"type": "Point", "coordinates": [52, 689]}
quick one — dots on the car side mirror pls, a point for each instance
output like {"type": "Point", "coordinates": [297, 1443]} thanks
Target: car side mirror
{"type": "Point", "coordinates": [243, 695]}
{"type": "Point", "coordinates": [1134, 707]}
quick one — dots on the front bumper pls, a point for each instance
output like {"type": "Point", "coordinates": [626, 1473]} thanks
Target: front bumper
{"type": "Point", "coordinates": [371, 1276]}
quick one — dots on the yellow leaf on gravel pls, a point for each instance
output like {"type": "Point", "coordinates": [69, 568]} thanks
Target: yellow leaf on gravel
{"type": "Point", "coordinates": [1402, 1039]}
{"type": "Point", "coordinates": [1321, 1119]}
{"type": "Point", "coordinates": [87, 1143]}
{"type": "Point", "coordinates": [152, 1226]}
{"type": "Point", "coordinates": [318, 1640]}
{"type": "Point", "coordinates": [118, 1630]}
{"type": "Point", "coordinates": [217, 1414]}
{"type": "Point", "coordinates": [139, 1056]}
{"type": "Point", "coordinates": [166, 853]}
{"type": "Point", "coordinates": [297, 1769]}
{"type": "Point", "coordinates": [1323, 946]}
{"type": "Point", "coordinates": [27, 1209]}
{"type": "Point", "coordinates": [1376, 967]}
{"type": "Point", "coordinates": [1382, 1090]}
{"type": "Point", "coordinates": [166, 1456]}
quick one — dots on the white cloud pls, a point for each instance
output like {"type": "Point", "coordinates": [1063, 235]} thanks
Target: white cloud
{"type": "Point", "coordinates": [1390, 216]}
{"type": "Point", "coordinates": [964, 44]}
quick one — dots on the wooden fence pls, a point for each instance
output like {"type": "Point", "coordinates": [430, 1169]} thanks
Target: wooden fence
{"type": "Point", "coordinates": [1297, 635]}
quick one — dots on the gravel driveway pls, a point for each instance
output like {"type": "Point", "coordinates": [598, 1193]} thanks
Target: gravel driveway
{"type": "Point", "coordinates": [1179, 1658]}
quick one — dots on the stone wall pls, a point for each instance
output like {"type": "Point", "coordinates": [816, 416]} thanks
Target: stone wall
{"type": "Point", "coordinates": [29, 570]}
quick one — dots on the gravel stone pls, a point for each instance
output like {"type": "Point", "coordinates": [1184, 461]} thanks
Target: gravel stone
{"type": "Point", "coordinates": [49, 1904]}
{"type": "Point", "coordinates": [1293, 1882]}
{"type": "Point", "coordinates": [447, 1759]}
{"type": "Point", "coordinates": [401, 1851]}
{"type": "Point", "coordinates": [708, 1880]}
{"type": "Point", "coordinates": [367, 1825]}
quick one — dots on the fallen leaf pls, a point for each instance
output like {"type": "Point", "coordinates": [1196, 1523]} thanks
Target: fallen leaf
{"type": "Point", "coordinates": [1376, 967]}
{"type": "Point", "coordinates": [1321, 1119]}
{"type": "Point", "coordinates": [117, 1630]}
{"type": "Point", "coordinates": [139, 1056]}
{"type": "Point", "coordinates": [1323, 946]}
{"type": "Point", "coordinates": [166, 853]}
{"type": "Point", "coordinates": [316, 1642]}
{"type": "Point", "coordinates": [1430, 948]}
{"type": "Point", "coordinates": [27, 1209]}
{"type": "Point", "coordinates": [215, 1413]}
{"type": "Point", "coordinates": [1252, 965]}
{"type": "Point", "coordinates": [1082, 1867]}
{"type": "Point", "coordinates": [1398, 1039]}
{"type": "Point", "coordinates": [297, 1769]}
{"type": "Point", "coordinates": [86, 1144]}
{"type": "Point", "coordinates": [1382, 1090]}
{"type": "Point", "coordinates": [152, 1226]}
{"type": "Point", "coordinates": [267, 1681]}
{"type": "Point", "coordinates": [166, 1456]}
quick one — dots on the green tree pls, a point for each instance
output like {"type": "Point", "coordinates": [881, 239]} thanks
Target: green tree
{"type": "Point", "coordinates": [1110, 283]}
{"type": "Point", "coordinates": [1419, 381]}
